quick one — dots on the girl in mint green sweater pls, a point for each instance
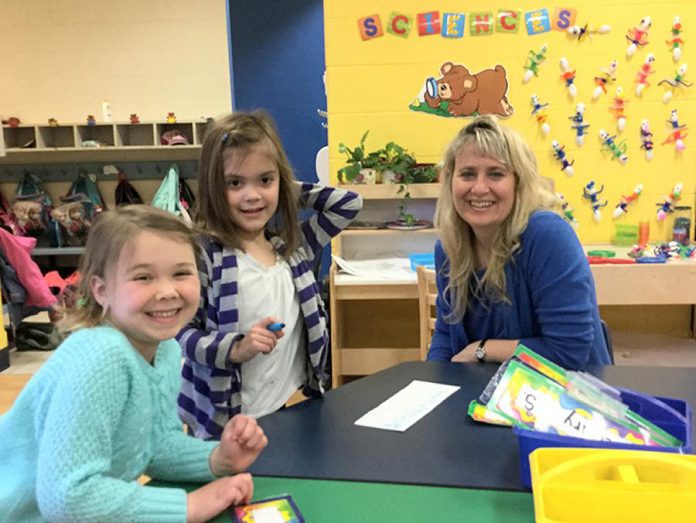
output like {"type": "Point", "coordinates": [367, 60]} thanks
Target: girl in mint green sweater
{"type": "Point", "coordinates": [102, 410]}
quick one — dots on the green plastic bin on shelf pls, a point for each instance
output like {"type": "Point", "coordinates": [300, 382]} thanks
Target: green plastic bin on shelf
{"type": "Point", "coordinates": [625, 234]}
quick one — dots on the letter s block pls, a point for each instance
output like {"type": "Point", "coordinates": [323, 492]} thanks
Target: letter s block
{"type": "Point", "coordinates": [370, 27]}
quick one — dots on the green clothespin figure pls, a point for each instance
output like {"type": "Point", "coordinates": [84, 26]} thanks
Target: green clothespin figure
{"type": "Point", "coordinates": [534, 60]}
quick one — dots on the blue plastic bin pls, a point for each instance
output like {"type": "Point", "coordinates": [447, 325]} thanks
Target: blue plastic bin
{"type": "Point", "coordinates": [427, 260]}
{"type": "Point", "coordinates": [672, 415]}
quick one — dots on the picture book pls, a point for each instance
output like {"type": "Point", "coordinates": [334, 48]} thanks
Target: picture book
{"type": "Point", "coordinates": [531, 392]}
{"type": "Point", "coordinates": [279, 509]}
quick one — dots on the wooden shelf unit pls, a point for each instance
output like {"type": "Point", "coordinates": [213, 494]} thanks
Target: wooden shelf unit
{"type": "Point", "coordinates": [384, 232]}
{"type": "Point", "coordinates": [118, 142]}
{"type": "Point", "coordinates": [374, 324]}
{"type": "Point", "coordinates": [389, 191]}
{"type": "Point", "coordinates": [63, 147]}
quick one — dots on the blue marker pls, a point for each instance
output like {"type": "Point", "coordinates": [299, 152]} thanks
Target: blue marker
{"type": "Point", "coordinates": [275, 327]}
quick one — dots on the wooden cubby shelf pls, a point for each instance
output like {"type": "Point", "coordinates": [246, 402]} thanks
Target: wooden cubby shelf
{"type": "Point", "coordinates": [390, 191]}
{"type": "Point", "coordinates": [80, 142]}
{"type": "Point", "coordinates": [374, 323]}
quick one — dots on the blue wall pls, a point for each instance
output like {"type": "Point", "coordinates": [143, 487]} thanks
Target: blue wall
{"type": "Point", "coordinates": [277, 61]}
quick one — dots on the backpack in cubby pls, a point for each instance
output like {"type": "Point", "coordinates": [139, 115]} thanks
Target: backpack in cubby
{"type": "Point", "coordinates": [31, 212]}
{"type": "Point", "coordinates": [80, 205]}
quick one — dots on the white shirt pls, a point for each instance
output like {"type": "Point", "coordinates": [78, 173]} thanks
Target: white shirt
{"type": "Point", "coordinates": [268, 380]}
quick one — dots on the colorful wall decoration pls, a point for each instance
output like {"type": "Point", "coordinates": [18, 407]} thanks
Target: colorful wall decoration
{"type": "Point", "coordinates": [600, 89]}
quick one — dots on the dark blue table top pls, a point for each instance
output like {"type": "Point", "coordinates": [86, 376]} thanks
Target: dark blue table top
{"type": "Point", "coordinates": [318, 439]}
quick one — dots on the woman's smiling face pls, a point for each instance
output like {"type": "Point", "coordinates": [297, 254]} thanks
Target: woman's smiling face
{"type": "Point", "coordinates": [483, 191]}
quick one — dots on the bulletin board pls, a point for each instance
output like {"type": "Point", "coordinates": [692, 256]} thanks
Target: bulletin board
{"type": "Point", "coordinates": [382, 58]}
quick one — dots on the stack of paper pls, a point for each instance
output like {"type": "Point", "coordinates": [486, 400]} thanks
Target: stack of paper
{"type": "Point", "coordinates": [378, 268]}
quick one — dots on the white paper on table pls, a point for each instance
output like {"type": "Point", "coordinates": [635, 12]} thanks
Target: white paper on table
{"type": "Point", "coordinates": [385, 268]}
{"type": "Point", "coordinates": [407, 406]}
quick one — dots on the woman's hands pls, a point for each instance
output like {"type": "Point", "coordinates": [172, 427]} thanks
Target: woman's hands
{"type": "Point", "coordinates": [467, 354]}
{"type": "Point", "coordinates": [258, 340]}
{"type": "Point", "coordinates": [241, 443]}
{"type": "Point", "coordinates": [205, 503]}
{"type": "Point", "coordinates": [496, 351]}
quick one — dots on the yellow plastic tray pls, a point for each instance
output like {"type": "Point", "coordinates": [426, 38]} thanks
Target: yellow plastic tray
{"type": "Point", "coordinates": [573, 485]}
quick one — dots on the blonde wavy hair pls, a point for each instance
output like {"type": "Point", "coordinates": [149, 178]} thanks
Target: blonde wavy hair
{"type": "Point", "coordinates": [505, 145]}
{"type": "Point", "coordinates": [111, 233]}
{"type": "Point", "coordinates": [242, 131]}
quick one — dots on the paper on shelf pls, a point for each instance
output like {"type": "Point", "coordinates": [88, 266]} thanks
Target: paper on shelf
{"type": "Point", "coordinates": [407, 406]}
{"type": "Point", "coordinates": [386, 268]}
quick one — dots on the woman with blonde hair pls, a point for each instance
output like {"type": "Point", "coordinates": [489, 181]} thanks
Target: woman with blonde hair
{"type": "Point", "coordinates": [509, 269]}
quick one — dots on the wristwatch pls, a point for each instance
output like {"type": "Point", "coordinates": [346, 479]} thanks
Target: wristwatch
{"type": "Point", "coordinates": [481, 351]}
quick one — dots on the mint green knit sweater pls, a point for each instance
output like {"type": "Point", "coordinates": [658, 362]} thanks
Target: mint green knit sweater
{"type": "Point", "coordinates": [87, 425]}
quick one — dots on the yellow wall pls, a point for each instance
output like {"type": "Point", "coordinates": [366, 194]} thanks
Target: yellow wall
{"type": "Point", "coordinates": [371, 83]}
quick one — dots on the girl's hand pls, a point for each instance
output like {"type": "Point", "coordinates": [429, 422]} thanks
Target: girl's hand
{"type": "Point", "coordinates": [204, 503]}
{"type": "Point", "coordinates": [241, 443]}
{"type": "Point", "coordinates": [258, 340]}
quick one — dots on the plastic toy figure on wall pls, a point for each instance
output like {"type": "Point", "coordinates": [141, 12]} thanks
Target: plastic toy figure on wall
{"type": "Point", "coordinates": [622, 207]}
{"type": "Point", "coordinates": [608, 75]}
{"type": "Point", "coordinates": [646, 139]}
{"type": "Point", "coordinates": [677, 133]}
{"type": "Point", "coordinates": [675, 43]}
{"type": "Point", "coordinates": [539, 112]}
{"type": "Point", "coordinates": [534, 60]}
{"type": "Point", "coordinates": [581, 31]}
{"type": "Point", "coordinates": [560, 155]}
{"type": "Point", "coordinates": [666, 206]}
{"type": "Point", "coordinates": [677, 81]}
{"type": "Point", "coordinates": [459, 93]}
{"type": "Point", "coordinates": [638, 36]}
{"type": "Point", "coordinates": [568, 76]}
{"type": "Point", "coordinates": [567, 211]}
{"type": "Point", "coordinates": [642, 75]}
{"type": "Point", "coordinates": [617, 149]}
{"type": "Point", "coordinates": [591, 193]}
{"type": "Point", "coordinates": [618, 109]}
{"type": "Point", "coordinates": [579, 125]}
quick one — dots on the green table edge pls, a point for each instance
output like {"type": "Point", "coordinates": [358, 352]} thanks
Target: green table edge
{"type": "Point", "coordinates": [350, 501]}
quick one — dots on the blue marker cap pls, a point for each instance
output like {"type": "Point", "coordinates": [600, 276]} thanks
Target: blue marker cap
{"type": "Point", "coordinates": [651, 259]}
{"type": "Point", "coordinates": [275, 327]}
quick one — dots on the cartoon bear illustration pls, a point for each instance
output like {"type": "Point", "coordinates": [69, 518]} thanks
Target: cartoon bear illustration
{"type": "Point", "coordinates": [466, 93]}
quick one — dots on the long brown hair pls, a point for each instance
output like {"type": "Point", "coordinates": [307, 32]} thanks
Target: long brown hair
{"type": "Point", "coordinates": [110, 234]}
{"type": "Point", "coordinates": [242, 131]}
{"type": "Point", "coordinates": [505, 145]}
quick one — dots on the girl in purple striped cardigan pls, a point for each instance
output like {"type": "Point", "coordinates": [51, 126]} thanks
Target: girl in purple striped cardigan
{"type": "Point", "coordinates": [256, 271]}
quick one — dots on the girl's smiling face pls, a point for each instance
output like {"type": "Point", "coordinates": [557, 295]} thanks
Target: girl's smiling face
{"type": "Point", "coordinates": [253, 181]}
{"type": "Point", "coordinates": [483, 191]}
{"type": "Point", "coordinates": [151, 292]}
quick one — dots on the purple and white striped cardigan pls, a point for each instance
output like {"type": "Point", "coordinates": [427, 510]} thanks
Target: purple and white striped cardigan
{"type": "Point", "coordinates": [211, 384]}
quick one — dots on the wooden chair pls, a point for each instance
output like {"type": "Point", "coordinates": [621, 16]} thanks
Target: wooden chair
{"type": "Point", "coordinates": [427, 294]}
